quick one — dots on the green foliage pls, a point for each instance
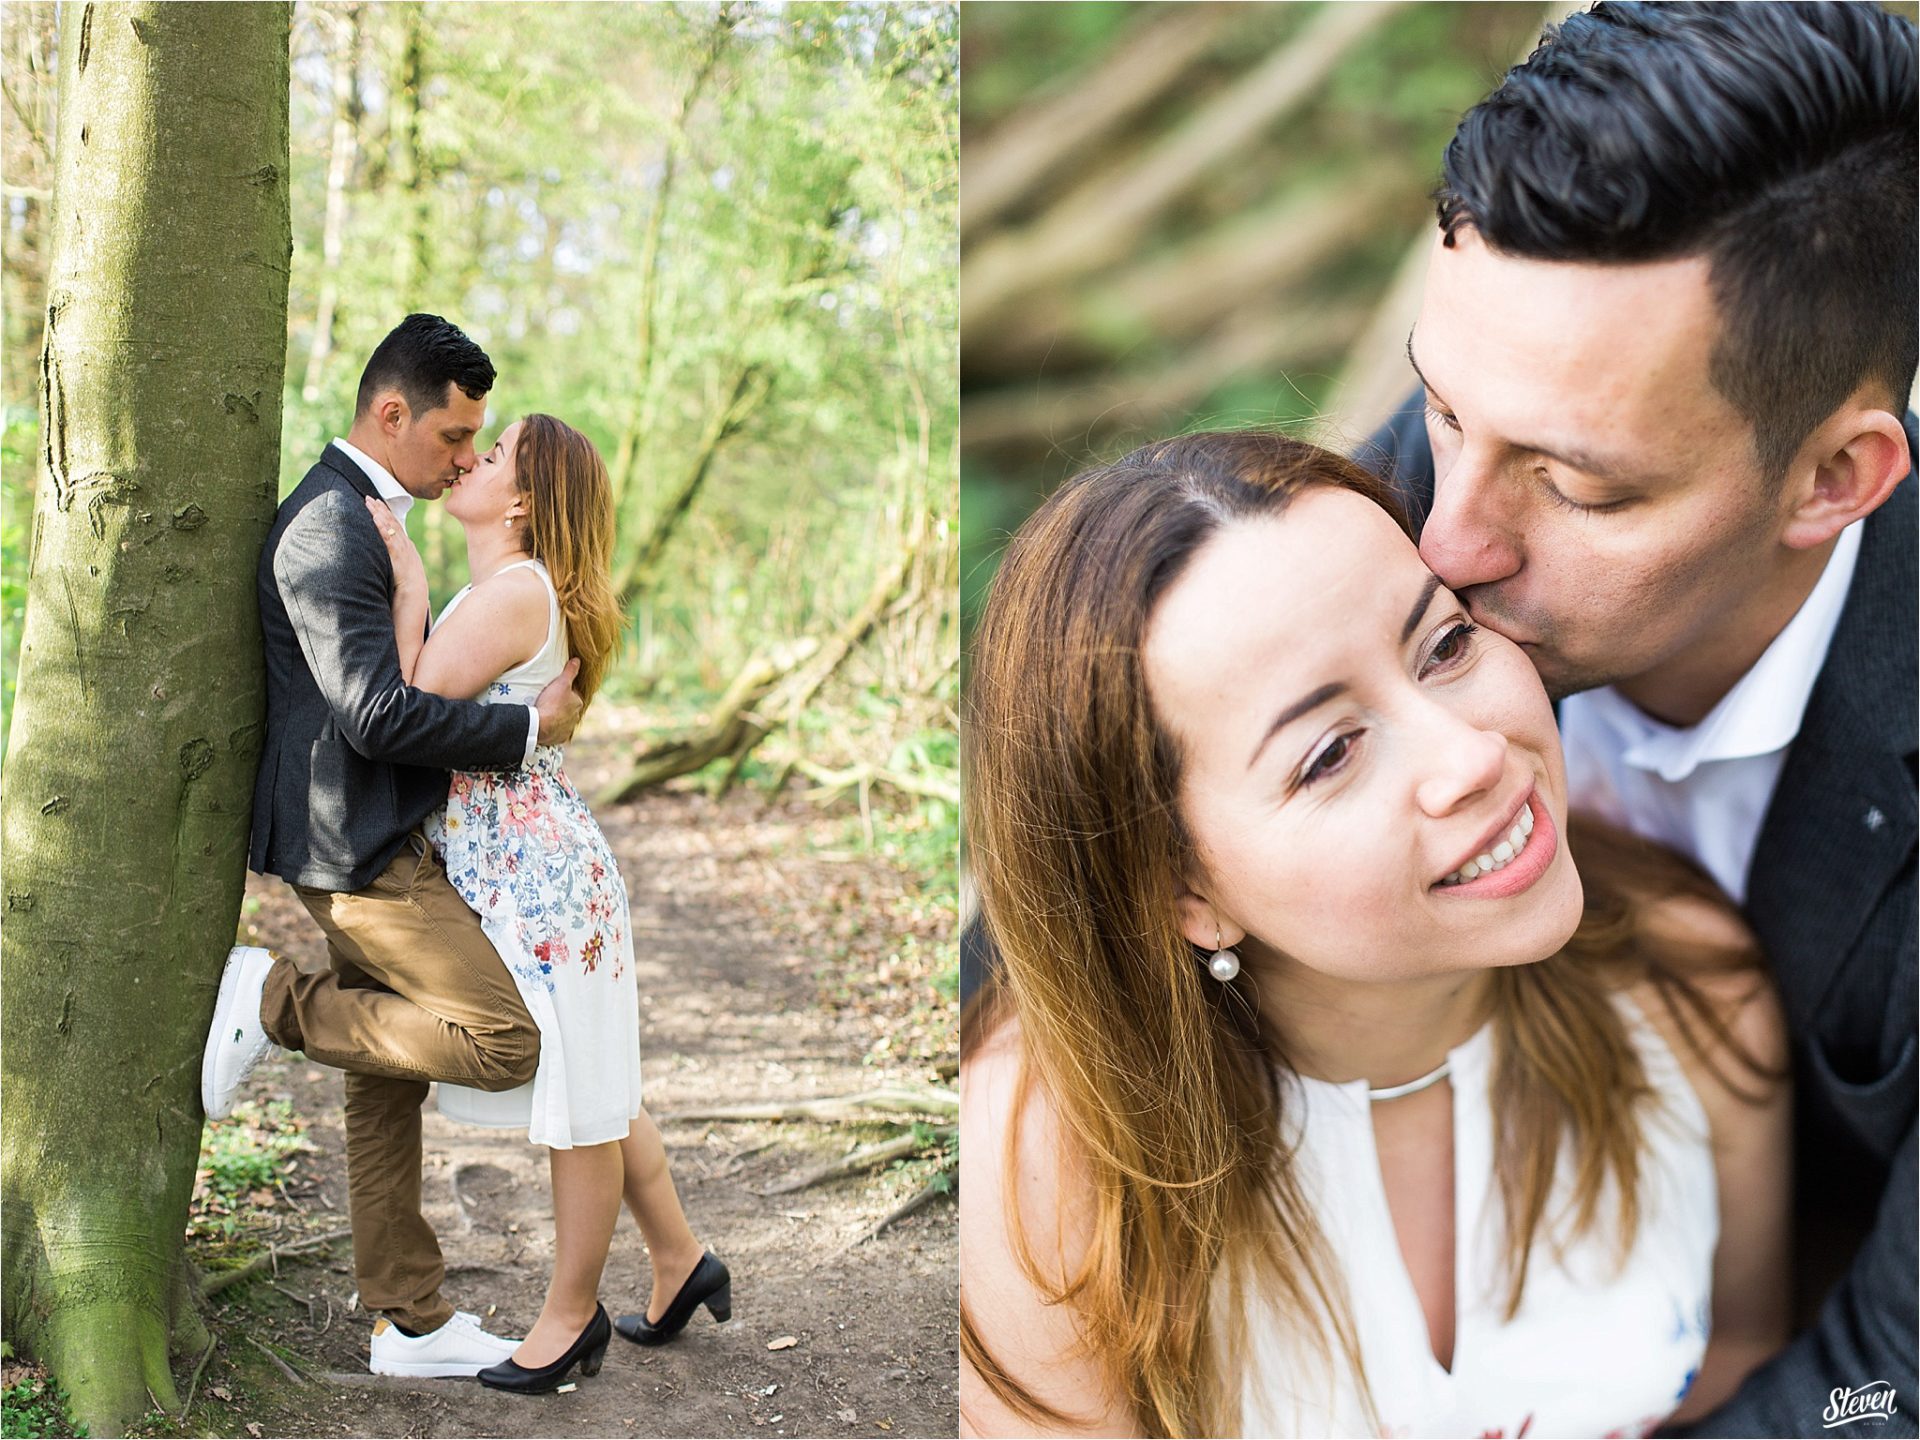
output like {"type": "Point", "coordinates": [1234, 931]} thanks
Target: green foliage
{"type": "Point", "coordinates": [241, 1159]}
{"type": "Point", "coordinates": [36, 1407]}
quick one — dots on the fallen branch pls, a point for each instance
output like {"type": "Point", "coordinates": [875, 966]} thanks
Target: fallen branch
{"type": "Point", "coordinates": [865, 1158]}
{"type": "Point", "coordinates": [735, 724]}
{"type": "Point", "coordinates": [285, 1369]}
{"type": "Point", "coordinates": [930, 1101]}
{"type": "Point", "coordinates": [941, 1184]}
{"type": "Point", "coordinates": [832, 783]}
{"type": "Point", "coordinates": [211, 1285]}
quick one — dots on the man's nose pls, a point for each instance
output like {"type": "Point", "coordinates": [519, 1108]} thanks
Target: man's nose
{"type": "Point", "coordinates": [1469, 535]}
{"type": "Point", "coordinates": [1463, 763]}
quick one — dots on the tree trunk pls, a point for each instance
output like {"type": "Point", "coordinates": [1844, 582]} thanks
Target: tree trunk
{"type": "Point", "coordinates": [137, 729]}
{"type": "Point", "coordinates": [639, 412]}
{"type": "Point", "coordinates": [411, 259]}
{"type": "Point", "coordinates": [638, 567]}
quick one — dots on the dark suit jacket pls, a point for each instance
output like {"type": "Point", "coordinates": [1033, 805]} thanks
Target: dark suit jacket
{"type": "Point", "coordinates": [1831, 896]}
{"type": "Point", "coordinates": [354, 758]}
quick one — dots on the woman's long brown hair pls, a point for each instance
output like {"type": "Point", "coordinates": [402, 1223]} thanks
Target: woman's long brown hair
{"type": "Point", "coordinates": [570, 529]}
{"type": "Point", "coordinates": [1166, 1082]}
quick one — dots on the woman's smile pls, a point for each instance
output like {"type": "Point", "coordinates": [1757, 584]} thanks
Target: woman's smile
{"type": "Point", "coordinates": [1522, 854]}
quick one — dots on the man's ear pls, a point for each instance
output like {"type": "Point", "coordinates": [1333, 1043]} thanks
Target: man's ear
{"type": "Point", "coordinates": [1846, 470]}
{"type": "Point", "coordinates": [391, 410]}
{"type": "Point", "coordinates": [1202, 924]}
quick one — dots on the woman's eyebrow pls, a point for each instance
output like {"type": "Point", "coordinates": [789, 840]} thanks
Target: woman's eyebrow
{"type": "Point", "coordinates": [1419, 607]}
{"type": "Point", "coordinates": [1293, 712]}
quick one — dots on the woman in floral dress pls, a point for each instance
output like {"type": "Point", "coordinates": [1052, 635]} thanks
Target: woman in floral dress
{"type": "Point", "coordinates": [524, 851]}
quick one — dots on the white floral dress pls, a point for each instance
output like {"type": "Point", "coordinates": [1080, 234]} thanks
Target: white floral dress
{"type": "Point", "coordinates": [521, 848]}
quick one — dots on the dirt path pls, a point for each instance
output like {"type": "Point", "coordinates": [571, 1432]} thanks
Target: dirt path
{"type": "Point", "coordinates": [775, 962]}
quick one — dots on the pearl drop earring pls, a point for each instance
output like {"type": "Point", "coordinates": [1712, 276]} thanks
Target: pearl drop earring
{"type": "Point", "coordinates": [1225, 964]}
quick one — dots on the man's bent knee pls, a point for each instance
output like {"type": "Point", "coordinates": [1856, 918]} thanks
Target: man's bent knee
{"type": "Point", "coordinates": [508, 1057]}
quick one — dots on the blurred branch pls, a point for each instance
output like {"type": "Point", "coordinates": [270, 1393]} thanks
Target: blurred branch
{"type": "Point", "coordinates": [769, 693]}
{"type": "Point", "coordinates": [931, 1101]}
{"type": "Point", "coordinates": [745, 393]}
{"type": "Point", "coordinates": [734, 725]}
{"type": "Point", "coordinates": [833, 783]}
{"type": "Point", "coordinates": [1375, 376]}
{"type": "Point", "coordinates": [27, 122]}
{"type": "Point", "coordinates": [1179, 293]}
{"type": "Point", "coordinates": [639, 410]}
{"type": "Point", "coordinates": [1005, 164]}
{"type": "Point", "coordinates": [1104, 218]}
{"type": "Point", "coordinates": [1257, 342]}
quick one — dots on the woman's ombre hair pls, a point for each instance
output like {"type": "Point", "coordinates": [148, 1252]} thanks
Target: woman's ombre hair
{"type": "Point", "coordinates": [569, 528]}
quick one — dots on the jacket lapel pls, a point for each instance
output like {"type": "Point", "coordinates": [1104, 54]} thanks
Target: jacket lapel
{"type": "Point", "coordinates": [1842, 821]}
{"type": "Point", "coordinates": [341, 463]}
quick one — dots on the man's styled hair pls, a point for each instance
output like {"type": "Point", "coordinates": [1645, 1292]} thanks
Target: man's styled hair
{"type": "Point", "coordinates": [1777, 141]}
{"type": "Point", "coordinates": [420, 357]}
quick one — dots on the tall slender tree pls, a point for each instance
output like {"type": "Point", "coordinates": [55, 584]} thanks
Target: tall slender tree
{"type": "Point", "coordinates": [137, 727]}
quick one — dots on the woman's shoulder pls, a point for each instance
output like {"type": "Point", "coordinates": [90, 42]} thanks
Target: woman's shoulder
{"type": "Point", "coordinates": [1023, 1235]}
{"type": "Point", "coordinates": [516, 596]}
{"type": "Point", "coordinates": [1012, 1135]}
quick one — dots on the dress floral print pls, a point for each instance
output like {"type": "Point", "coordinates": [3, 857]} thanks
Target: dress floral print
{"type": "Point", "coordinates": [545, 869]}
{"type": "Point", "coordinates": [521, 847]}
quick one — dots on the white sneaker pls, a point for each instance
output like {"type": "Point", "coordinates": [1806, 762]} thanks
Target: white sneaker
{"type": "Point", "coordinates": [458, 1348]}
{"type": "Point", "coordinates": [236, 1043]}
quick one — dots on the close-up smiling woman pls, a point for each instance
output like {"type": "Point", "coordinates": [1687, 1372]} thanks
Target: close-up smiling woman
{"type": "Point", "coordinates": [1332, 1080]}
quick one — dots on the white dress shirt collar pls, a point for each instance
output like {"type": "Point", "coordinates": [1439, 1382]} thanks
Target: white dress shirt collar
{"type": "Point", "coordinates": [1761, 714]}
{"type": "Point", "coordinates": [399, 500]}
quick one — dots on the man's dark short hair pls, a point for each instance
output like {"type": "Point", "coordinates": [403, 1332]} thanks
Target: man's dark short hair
{"type": "Point", "coordinates": [1777, 141]}
{"type": "Point", "coordinates": [420, 357]}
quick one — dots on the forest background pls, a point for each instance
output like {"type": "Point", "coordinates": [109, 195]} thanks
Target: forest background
{"type": "Point", "coordinates": [720, 239]}
{"type": "Point", "coordinates": [716, 238]}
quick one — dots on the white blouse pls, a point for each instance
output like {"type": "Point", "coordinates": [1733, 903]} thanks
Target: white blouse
{"type": "Point", "coordinates": [1598, 1348]}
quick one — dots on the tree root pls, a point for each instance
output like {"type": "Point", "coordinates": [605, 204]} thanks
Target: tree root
{"type": "Point", "coordinates": [194, 1383]}
{"type": "Point", "coordinates": [285, 1369]}
{"type": "Point", "coordinates": [941, 1184]}
{"type": "Point", "coordinates": [213, 1284]}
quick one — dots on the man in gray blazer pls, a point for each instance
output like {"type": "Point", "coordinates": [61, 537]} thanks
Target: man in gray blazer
{"type": "Point", "coordinates": [354, 761]}
{"type": "Point", "coordinates": [1667, 342]}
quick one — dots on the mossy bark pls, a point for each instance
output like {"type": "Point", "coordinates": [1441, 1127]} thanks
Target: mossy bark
{"type": "Point", "coordinates": [136, 734]}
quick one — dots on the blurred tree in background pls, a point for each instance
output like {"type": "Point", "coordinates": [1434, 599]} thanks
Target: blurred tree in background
{"type": "Point", "coordinates": [719, 239]}
{"type": "Point", "coordinates": [1189, 215]}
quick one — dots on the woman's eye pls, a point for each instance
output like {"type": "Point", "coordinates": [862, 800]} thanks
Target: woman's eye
{"type": "Point", "coordinates": [1331, 759]}
{"type": "Point", "coordinates": [1453, 646]}
{"type": "Point", "coordinates": [1450, 421]}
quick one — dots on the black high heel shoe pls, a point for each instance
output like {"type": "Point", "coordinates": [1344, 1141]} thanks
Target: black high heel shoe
{"type": "Point", "coordinates": [710, 1284]}
{"type": "Point", "coordinates": [587, 1352]}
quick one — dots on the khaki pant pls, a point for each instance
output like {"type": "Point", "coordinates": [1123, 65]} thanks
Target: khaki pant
{"type": "Point", "coordinates": [416, 993]}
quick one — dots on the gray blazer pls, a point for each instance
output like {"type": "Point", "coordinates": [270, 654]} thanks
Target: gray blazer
{"type": "Point", "coordinates": [1831, 896]}
{"type": "Point", "coordinates": [354, 758]}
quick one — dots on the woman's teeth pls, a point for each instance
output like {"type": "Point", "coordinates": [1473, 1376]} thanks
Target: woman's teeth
{"type": "Point", "coordinates": [1500, 856]}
